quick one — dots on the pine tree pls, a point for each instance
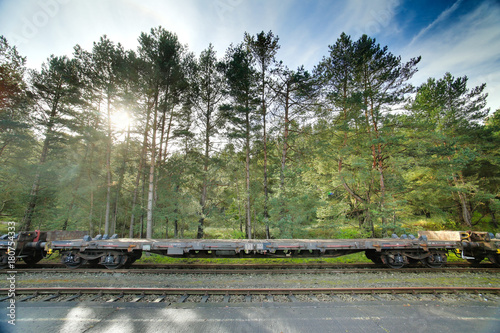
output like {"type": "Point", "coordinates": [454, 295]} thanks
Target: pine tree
{"type": "Point", "coordinates": [207, 84]}
{"type": "Point", "coordinates": [449, 115]}
{"type": "Point", "coordinates": [363, 81]}
{"type": "Point", "coordinates": [55, 88]}
{"type": "Point", "coordinates": [161, 75]}
{"type": "Point", "coordinates": [241, 80]}
{"type": "Point", "coordinates": [263, 48]}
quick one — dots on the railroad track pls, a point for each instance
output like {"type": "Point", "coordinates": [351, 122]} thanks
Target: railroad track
{"type": "Point", "coordinates": [303, 266]}
{"type": "Point", "coordinates": [312, 268]}
{"type": "Point", "coordinates": [247, 295]}
{"type": "Point", "coordinates": [276, 270]}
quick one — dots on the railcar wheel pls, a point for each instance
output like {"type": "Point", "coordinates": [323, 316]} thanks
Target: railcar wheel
{"type": "Point", "coordinates": [129, 262]}
{"type": "Point", "coordinates": [32, 260]}
{"type": "Point", "coordinates": [476, 261]}
{"type": "Point", "coordinates": [72, 260]}
{"type": "Point", "coordinates": [395, 261]}
{"type": "Point", "coordinates": [373, 256]}
{"type": "Point", "coordinates": [495, 259]}
{"type": "Point", "coordinates": [114, 260]}
{"type": "Point", "coordinates": [132, 257]}
{"type": "Point", "coordinates": [435, 260]}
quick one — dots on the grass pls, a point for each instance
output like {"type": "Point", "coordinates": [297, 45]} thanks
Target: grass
{"type": "Point", "coordinates": [3, 228]}
{"type": "Point", "coordinates": [159, 259]}
{"type": "Point", "coordinates": [355, 258]}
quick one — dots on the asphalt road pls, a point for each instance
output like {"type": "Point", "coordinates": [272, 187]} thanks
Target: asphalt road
{"type": "Point", "coordinates": [254, 317]}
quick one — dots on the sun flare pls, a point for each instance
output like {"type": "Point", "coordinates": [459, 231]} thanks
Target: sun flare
{"type": "Point", "coordinates": [120, 120]}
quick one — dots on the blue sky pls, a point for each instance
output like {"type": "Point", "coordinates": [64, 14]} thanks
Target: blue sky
{"type": "Point", "coordinates": [457, 36]}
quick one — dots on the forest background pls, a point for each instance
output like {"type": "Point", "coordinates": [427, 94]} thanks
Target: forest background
{"type": "Point", "coordinates": [160, 142]}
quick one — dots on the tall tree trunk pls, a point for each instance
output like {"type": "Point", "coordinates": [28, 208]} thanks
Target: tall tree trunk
{"type": "Point", "coordinates": [344, 144]}
{"type": "Point", "coordinates": [139, 172]}
{"type": "Point", "coordinates": [283, 157]}
{"type": "Point", "coordinates": [240, 213]}
{"type": "Point", "coordinates": [91, 181]}
{"type": "Point", "coordinates": [108, 169]}
{"type": "Point", "coordinates": [149, 223]}
{"type": "Point", "coordinates": [144, 203]}
{"type": "Point", "coordinates": [91, 212]}
{"type": "Point", "coordinates": [248, 219]}
{"type": "Point", "coordinates": [379, 161]}
{"type": "Point", "coordinates": [28, 215]}
{"type": "Point", "coordinates": [162, 152]}
{"type": "Point", "coordinates": [285, 144]}
{"type": "Point", "coordinates": [462, 200]}
{"type": "Point", "coordinates": [466, 214]}
{"type": "Point", "coordinates": [466, 209]}
{"type": "Point", "coordinates": [264, 116]}
{"type": "Point", "coordinates": [494, 222]}
{"type": "Point", "coordinates": [203, 199]}
{"type": "Point", "coordinates": [120, 182]}
{"type": "Point", "coordinates": [75, 190]}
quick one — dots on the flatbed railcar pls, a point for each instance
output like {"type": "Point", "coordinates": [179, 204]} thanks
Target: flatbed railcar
{"type": "Point", "coordinates": [430, 248]}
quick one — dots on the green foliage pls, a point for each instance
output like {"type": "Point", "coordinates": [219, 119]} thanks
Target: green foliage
{"type": "Point", "coordinates": [339, 162]}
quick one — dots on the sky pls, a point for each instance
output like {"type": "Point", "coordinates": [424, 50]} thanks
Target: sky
{"type": "Point", "coordinates": [457, 36]}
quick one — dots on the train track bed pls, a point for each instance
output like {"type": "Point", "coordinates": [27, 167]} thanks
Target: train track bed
{"type": "Point", "coordinates": [173, 296]}
{"type": "Point", "coordinates": [385, 278]}
{"type": "Point", "coordinates": [258, 270]}
{"type": "Point", "coordinates": [253, 266]}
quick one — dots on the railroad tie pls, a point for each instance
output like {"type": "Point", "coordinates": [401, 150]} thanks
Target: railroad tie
{"type": "Point", "coordinates": [138, 298]}
{"type": "Point", "coordinates": [51, 297]}
{"type": "Point", "coordinates": [160, 299]}
{"type": "Point", "coordinates": [183, 298]}
{"type": "Point", "coordinates": [69, 299]}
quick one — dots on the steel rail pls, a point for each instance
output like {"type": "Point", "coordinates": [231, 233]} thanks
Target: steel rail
{"type": "Point", "coordinates": [277, 270]}
{"type": "Point", "coordinates": [303, 266]}
{"type": "Point", "coordinates": [251, 291]}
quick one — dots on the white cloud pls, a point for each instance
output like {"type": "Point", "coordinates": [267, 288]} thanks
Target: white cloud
{"type": "Point", "coordinates": [444, 15]}
{"type": "Point", "coordinates": [468, 46]}
{"type": "Point", "coordinates": [372, 18]}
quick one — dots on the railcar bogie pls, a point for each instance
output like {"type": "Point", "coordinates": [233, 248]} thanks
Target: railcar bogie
{"type": "Point", "coordinates": [435, 259]}
{"type": "Point", "coordinates": [114, 259]}
{"type": "Point", "coordinates": [109, 259]}
{"type": "Point", "coordinates": [72, 259]}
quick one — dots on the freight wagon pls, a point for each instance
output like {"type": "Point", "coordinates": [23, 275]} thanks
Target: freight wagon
{"type": "Point", "coordinates": [430, 248]}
